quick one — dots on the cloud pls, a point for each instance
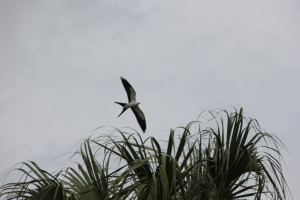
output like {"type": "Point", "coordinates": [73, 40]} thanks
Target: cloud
{"type": "Point", "coordinates": [60, 62]}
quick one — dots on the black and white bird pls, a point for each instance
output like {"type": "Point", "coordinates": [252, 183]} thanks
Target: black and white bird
{"type": "Point", "coordinates": [133, 104]}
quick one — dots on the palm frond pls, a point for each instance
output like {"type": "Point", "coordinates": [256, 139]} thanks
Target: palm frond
{"type": "Point", "coordinates": [227, 158]}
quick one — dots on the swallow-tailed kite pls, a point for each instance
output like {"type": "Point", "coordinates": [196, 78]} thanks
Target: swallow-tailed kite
{"type": "Point", "coordinates": [133, 104]}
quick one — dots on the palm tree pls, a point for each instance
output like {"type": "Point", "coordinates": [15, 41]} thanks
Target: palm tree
{"type": "Point", "coordinates": [228, 157]}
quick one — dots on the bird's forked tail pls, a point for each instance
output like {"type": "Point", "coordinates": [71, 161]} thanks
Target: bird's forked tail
{"type": "Point", "coordinates": [124, 109]}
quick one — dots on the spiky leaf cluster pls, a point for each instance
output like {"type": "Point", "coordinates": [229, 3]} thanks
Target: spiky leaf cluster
{"type": "Point", "coordinates": [228, 157]}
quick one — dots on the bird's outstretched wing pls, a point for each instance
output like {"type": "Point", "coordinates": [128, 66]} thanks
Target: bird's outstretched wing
{"type": "Point", "coordinates": [140, 117]}
{"type": "Point", "coordinates": [129, 90]}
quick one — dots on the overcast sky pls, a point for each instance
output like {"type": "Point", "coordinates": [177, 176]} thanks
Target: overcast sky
{"type": "Point", "coordinates": [60, 63]}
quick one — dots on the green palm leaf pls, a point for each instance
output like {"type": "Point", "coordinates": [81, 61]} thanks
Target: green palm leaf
{"type": "Point", "coordinates": [227, 158]}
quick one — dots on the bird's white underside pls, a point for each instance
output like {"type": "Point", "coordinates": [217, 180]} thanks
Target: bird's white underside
{"type": "Point", "coordinates": [134, 105]}
{"type": "Point", "coordinates": [131, 104]}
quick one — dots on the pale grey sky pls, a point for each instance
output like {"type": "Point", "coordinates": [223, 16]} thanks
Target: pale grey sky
{"type": "Point", "coordinates": [60, 63]}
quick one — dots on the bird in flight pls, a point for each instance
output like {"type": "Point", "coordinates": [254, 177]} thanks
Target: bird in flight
{"type": "Point", "coordinates": [133, 104]}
